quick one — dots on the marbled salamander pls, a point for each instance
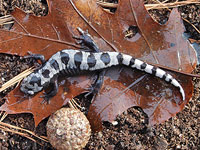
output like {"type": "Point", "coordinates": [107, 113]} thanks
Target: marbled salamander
{"type": "Point", "coordinates": [73, 62]}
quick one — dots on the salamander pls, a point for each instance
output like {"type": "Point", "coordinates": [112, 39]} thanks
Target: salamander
{"type": "Point", "coordinates": [70, 62]}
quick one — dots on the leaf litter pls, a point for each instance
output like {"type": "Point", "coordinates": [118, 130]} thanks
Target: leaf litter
{"type": "Point", "coordinates": [153, 43]}
{"type": "Point", "coordinates": [172, 140]}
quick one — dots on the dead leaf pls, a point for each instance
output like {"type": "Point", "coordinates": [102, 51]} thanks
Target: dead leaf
{"type": "Point", "coordinates": [158, 99]}
{"type": "Point", "coordinates": [160, 44]}
{"type": "Point", "coordinates": [17, 103]}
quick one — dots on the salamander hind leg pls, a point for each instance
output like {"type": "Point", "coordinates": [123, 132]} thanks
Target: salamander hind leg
{"type": "Point", "coordinates": [86, 41]}
{"type": "Point", "coordinates": [97, 84]}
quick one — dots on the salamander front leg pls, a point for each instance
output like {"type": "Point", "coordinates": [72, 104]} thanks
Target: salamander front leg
{"type": "Point", "coordinates": [36, 56]}
{"type": "Point", "coordinates": [50, 94]}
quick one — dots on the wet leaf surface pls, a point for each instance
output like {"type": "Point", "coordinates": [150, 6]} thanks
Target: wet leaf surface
{"type": "Point", "coordinates": [159, 44]}
{"type": "Point", "coordinates": [18, 103]}
{"type": "Point", "coordinates": [158, 99]}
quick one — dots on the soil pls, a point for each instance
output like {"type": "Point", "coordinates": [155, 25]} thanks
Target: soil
{"type": "Point", "coordinates": [131, 129]}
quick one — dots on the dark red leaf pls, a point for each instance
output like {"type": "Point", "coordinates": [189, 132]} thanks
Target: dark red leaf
{"type": "Point", "coordinates": [159, 44]}
{"type": "Point", "coordinates": [17, 103]}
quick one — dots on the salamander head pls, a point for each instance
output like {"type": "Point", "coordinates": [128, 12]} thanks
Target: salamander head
{"type": "Point", "coordinates": [31, 84]}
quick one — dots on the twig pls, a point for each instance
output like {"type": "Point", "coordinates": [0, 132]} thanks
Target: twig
{"type": "Point", "coordinates": [74, 104]}
{"type": "Point", "coordinates": [3, 115]}
{"type": "Point", "coordinates": [16, 79]}
{"type": "Point", "coordinates": [1, 5]}
{"type": "Point", "coordinates": [106, 4]}
{"type": "Point", "coordinates": [194, 41]}
{"type": "Point", "coordinates": [20, 131]}
{"type": "Point", "coordinates": [160, 5]}
{"type": "Point", "coordinates": [6, 20]}
{"type": "Point", "coordinates": [170, 5]}
{"type": "Point", "coordinates": [191, 25]}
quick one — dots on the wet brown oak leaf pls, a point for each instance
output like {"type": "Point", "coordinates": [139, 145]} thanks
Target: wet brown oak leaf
{"type": "Point", "coordinates": [159, 44]}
